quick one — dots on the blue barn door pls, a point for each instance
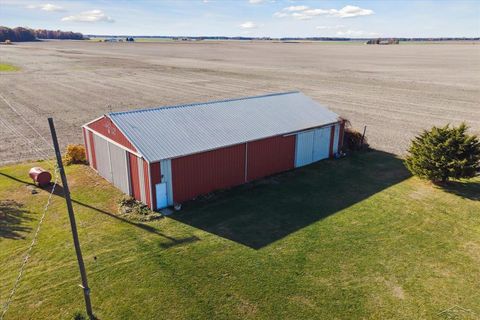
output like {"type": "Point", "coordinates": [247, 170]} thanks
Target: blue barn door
{"type": "Point", "coordinates": [321, 144]}
{"type": "Point", "coordinates": [161, 192]}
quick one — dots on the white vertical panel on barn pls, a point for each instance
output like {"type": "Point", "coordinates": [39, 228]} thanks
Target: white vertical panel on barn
{"type": "Point", "coordinates": [321, 143]}
{"type": "Point", "coordinates": [89, 147]}
{"type": "Point", "coordinates": [118, 162]}
{"type": "Point", "coordinates": [141, 178]}
{"type": "Point", "coordinates": [166, 170]}
{"type": "Point", "coordinates": [102, 157]}
{"type": "Point", "coordinates": [304, 148]}
{"type": "Point", "coordinates": [335, 138]}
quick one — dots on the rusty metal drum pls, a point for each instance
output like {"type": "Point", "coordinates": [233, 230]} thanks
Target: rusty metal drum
{"type": "Point", "coordinates": [40, 176]}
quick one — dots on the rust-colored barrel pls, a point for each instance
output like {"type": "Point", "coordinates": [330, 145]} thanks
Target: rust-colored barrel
{"type": "Point", "coordinates": [40, 176]}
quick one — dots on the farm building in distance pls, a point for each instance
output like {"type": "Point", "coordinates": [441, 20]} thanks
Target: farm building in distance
{"type": "Point", "coordinates": [169, 155]}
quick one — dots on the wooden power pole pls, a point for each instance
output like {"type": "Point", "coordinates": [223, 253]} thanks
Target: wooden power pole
{"type": "Point", "coordinates": [73, 225]}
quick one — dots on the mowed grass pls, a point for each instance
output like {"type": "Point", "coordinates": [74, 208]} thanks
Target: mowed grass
{"type": "Point", "coordinates": [5, 67]}
{"type": "Point", "coordinates": [356, 238]}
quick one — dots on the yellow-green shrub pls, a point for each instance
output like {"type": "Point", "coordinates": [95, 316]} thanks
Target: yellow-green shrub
{"type": "Point", "coordinates": [75, 154]}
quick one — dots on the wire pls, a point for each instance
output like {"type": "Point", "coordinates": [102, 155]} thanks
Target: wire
{"type": "Point", "coordinates": [29, 250]}
{"type": "Point", "coordinates": [43, 154]}
{"type": "Point", "coordinates": [45, 209]}
{"type": "Point", "coordinates": [26, 121]}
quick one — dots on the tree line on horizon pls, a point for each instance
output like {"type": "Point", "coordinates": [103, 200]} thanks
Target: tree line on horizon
{"type": "Point", "coordinates": [21, 34]}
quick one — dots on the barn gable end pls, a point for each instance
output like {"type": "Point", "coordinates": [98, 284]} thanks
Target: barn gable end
{"type": "Point", "coordinates": [107, 128]}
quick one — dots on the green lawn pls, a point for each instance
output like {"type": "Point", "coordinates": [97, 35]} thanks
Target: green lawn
{"type": "Point", "coordinates": [356, 238]}
{"type": "Point", "coordinates": [4, 67]}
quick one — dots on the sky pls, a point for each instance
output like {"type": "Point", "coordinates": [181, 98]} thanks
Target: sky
{"type": "Point", "coordinates": [259, 18]}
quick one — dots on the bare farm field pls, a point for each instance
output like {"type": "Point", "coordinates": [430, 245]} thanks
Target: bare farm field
{"type": "Point", "coordinates": [394, 90]}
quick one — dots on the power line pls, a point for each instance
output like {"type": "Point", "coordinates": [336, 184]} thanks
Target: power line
{"type": "Point", "coordinates": [42, 153]}
{"type": "Point", "coordinates": [29, 250]}
{"type": "Point", "coordinates": [42, 218]}
{"type": "Point", "coordinates": [26, 121]}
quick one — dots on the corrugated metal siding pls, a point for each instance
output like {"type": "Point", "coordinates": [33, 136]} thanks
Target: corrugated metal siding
{"type": "Point", "coordinates": [268, 156]}
{"type": "Point", "coordinates": [102, 157]}
{"type": "Point", "coordinates": [148, 189]}
{"type": "Point", "coordinates": [170, 132]}
{"type": "Point", "coordinates": [166, 169]}
{"type": "Point", "coordinates": [106, 127]}
{"type": "Point", "coordinates": [332, 139]}
{"type": "Point", "coordinates": [118, 163]}
{"type": "Point", "coordinates": [85, 142]}
{"type": "Point", "coordinates": [141, 180]}
{"type": "Point", "coordinates": [304, 148]}
{"type": "Point", "coordinates": [341, 135]}
{"type": "Point", "coordinates": [92, 150]}
{"type": "Point", "coordinates": [335, 139]}
{"type": "Point", "coordinates": [134, 178]}
{"type": "Point", "coordinates": [321, 144]}
{"type": "Point", "coordinates": [314, 145]}
{"type": "Point", "coordinates": [155, 177]}
{"type": "Point", "coordinates": [204, 172]}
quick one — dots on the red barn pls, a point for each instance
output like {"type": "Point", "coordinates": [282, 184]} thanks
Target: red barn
{"type": "Point", "coordinates": [172, 154]}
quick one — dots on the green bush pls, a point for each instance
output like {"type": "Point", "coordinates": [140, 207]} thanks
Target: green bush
{"type": "Point", "coordinates": [444, 153]}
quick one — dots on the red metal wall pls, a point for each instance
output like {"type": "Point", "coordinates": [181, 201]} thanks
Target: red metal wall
{"type": "Point", "coordinates": [270, 156]}
{"type": "Point", "coordinates": [204, 172]}
{"type": "Point", "coordinates": [106, 127]}
{"type": "Point", "coordinates": [155, 177]}
{"type": "Point", "coordinates": [84, 132]}
{"type": "Point", "coordinates": [332, 138]}
{"type": "Point", "coordinates": [341, 134]}
{"type": "Point", "coordinates": [146, 177]}
{"type": "Point", "coordinates": [134, 177]}
{"type": "Point", "coordinates": [92, 149]}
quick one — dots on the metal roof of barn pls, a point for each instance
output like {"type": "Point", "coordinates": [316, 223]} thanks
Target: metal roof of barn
{"type": "Point", "coordinates": [174, 131]}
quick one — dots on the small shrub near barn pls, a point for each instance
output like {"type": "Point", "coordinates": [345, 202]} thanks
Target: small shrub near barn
{"type": "Point", "coordinates": [75, 154]}
{"type": "Point", "coordinates": [444, 153]}
{"type": "Point", "coordinates": [353, 140]}
{"type": "Point", "coordinates": [136, 210]}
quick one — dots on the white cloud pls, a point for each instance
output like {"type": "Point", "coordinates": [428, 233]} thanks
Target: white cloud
{"type": "Point", "coordinates": [255, 1]}
{"type": "Point", "coordinates": [356, 33]}
{"type": "Point", "coordinates": [338, 26]}
{"type": "Point", "coordinates": [301, 16]}
{"type": "Point", "coordinates": [280, 14]}
{"type": "Point", "coordinates": [305, 13]}
{"type": "Point", "coordinates": [248, 25]}
{"type": "Point", "coordinates": [295, 8]}
{"type": "Point", "coordinates": [352, 11]}
{"type": "Point", "coordinates": [89, 16]}
{"type": "Point", "coordinates": [46, 7]}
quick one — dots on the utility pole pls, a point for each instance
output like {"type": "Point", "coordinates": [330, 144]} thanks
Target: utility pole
{"type": "Point", "coordinates": [73, 225]}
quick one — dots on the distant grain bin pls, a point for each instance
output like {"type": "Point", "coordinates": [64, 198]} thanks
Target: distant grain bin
{"type": "Point", "coordinates": [40, 176]}
{"type": "Point", "coordinates": [169, 155]}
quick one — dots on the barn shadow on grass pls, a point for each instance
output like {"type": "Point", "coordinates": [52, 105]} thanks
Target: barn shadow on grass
{"type": "Point", "coordinates": [13, 218]}
{"type": "Point", "coordinates": [262, 212]}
